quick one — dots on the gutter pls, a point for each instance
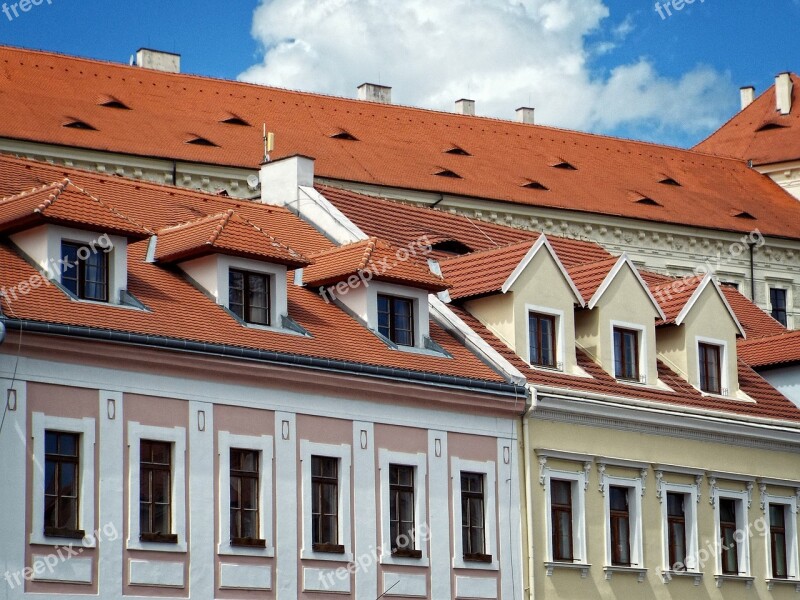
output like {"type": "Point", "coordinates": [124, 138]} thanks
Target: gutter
{"type": "Point", "coordinates": [267, 356]}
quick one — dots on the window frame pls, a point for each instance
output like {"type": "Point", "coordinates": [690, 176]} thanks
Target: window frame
{"type": "Point", "coordinates": [623, 330]}
{"type": "Point", "coordinates": [724, 380]}
{"type": "Point", "coordinates": [569, 508]}
{"type": "Point", "coordinates": [343, 453]}
{"type": "Point", "coordinates": [578, 481]}
{"type": "Point", "coordinates": [246, 307]}
{"type": "Point", "coordinates": [691, 495]}
{"type": "Point", "coordinates": [558, 336]}
{"type": "Point", "coordinates": [488, 470]}
{"type": "Point", "coordinates": [317, 481]}
{"type": "Point", "coordinates": [790, 504]}
{"type": "Point", "coordinates": [393, 298]}
{"type": "Point", "coordinates": [153, 467]}
{"type": "Point", "coordinates": [59, 460]}
{"type": "Point", "coordinates": [466, 496]}
{"type": "Point", "coordinates": [81, 265]}
{"type": "Point", "coordinates": [264, 446]}
{"type": "Point", "coordinates": [703, 349]}
{"type": "Point", "coordinates": [635, 529]}
{"type": "Point", "coordinates": [419, 462]}
{"type": "Point", "coordinates": [177, 437]}
{"type": "Point", "coordinates": [85, 428]}
{"type": "Point", "coordinates": [785, 309]}
{"type": "Point", "coordinates": [741, 500]}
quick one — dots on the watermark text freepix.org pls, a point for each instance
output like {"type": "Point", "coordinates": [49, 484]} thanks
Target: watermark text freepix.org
{"type": "Point", "coordinates": [13, 10]}
{"type": "Point", "coordinates": [665, 8]}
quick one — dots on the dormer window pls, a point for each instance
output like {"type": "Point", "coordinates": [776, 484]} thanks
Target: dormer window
{"type": "Point", "coordinates": [626, 354]}
{"type": "Point", "coordinates": [542, 339]}
{"type": "Point", "coordinates": [249, 296]}
{"type": "Point", "coordinates": [85, 271]}
{"type": "Point", "coordinates": [396, 319]}
{"type": "Point", "coordinates": [710, 368]}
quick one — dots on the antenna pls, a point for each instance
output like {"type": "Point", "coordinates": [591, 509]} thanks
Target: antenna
{"type": "Point", "coordinates": [269, 143]}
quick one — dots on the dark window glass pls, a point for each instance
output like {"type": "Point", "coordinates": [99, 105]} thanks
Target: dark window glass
{"type": "Point", "coordinates": [727, 527]}
{"type": "Point", "coordinates": [472, 515]}
{"type": "Point", "coordinates": [777, 539]}
{"type": "Point", "coordinates": [61, 484]}
{"type": "Point", "coordinates": [244, 495]}
{"type": "Point", "coordinates": [777, 298]}
{"type": "Point", "coordinates": [620, 526]}
{"type": "Point", "coordinates": [676, 530]}
{"type": "Point", "coordinates": [325, 503]}
{"type": "Point", "coordinates": [561, 509]}
{"type": "Point", "coordinates": [710, 369]}
{"type": "Point", "coordinates": [626, 354]}
{"type": "Point", "coordinates": [396, 319]}
{"type": "Point", "coordinates": [542, 336]}
{"type": "Point", "coordinates": [401, 507]}
{"type": "Point", "coordinates": [85, 271]}
{"type": "Point", "coordinates": [155, 491]}
{"type": "Point", "coordinates": [248, 296]}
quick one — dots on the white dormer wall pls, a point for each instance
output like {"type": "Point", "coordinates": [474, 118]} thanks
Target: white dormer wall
{"type": "Point", "coordinates": [211, 273]}
{"type": "Point", "coordinates": [43, 245]}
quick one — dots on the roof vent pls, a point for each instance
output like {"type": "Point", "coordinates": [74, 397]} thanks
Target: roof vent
{"type": "Point", "coordinates": [642, 199]}
{"type": "Point", "coordinates": [525, 115]}
{"type": "Point", "coordinates": [448, 173]}
{"type": "Point", "coordinates": [73, 123]}
{"type": "Point", "coordinates": [770, 125]}
{"type": "Point", "coordinates": [112, 102]}
{"type": "Point", "coordinates": [741, 214]}
{"type": "Point", "coordinates": [458, 151]}
{"type": "Point", "coordinates": [344, 135]}
{"type": "Point", "coordinates": [783, 93]}
{"type": "Point", "coordinates": [535, 185]}
{"type": "Point", "coordinates": [669, 181]}
{"type": "Point", "coordinates": [455, 247]}
{"type": "Point", "coordinates": [158, 60]}
{"type": "Point", "coordinates": [373, 92]}
{"type": "Point", "coordinates": [198, 140]}
{"type": "Point", "coordinates": [465, 107]}
{"type": "Point", "coordinates": [562, 164]}
{"type": "Point", "coordinates": [233, 119]}
{"type": "Point", "coordinates": [747, 95]}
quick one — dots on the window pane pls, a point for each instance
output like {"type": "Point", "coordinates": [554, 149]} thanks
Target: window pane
{"type": "Point", "coordinates": [69, 274]}
{"type": "Point", "coordinates": [618, 498]}
{"type": "Point", "coordinates": [250, 524]}
{"type": "Point", "coordinates": [547, 342]}
{"type": "Point", "coordinates": [249, 493]}
{"type": "Point", "coordinates": [161, 518]}
{"type": "Point", "coordinates": [50, 477]}
{"type": "Point", "coordinates": [161, 486]}
{"type": "Point", "coordinates": [533, 333]}
{"type": "Point", "coordinates": [68, 479]}
{"type": "Point", "coordinates": [67, 513]}
{"type": "Point", "coordinates": [561, 492]}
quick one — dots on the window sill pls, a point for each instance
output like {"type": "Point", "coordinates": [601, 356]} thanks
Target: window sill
{"type": "Point", "coordinates": [721, 579]}
{"type": "Point", "coordinates": [56, 532]}
{"type": "Point", "coordinates": [314, 554]}
{"type": "Point", "coordinates": [771, 583]}
{"type": "Point", "coordinates": [159, 538]}
{"type": "Point", "coordinates": [479, 558]}
{"type": "Point", "coordinates": [582, 567]}
{"type": "Point", "coordinates": [328, 548]}
{"type": "Point", "coordinates": [178, 546]}
{"type": "Point", "coordinates": [668, 576]}
{"type": "Point", "coordinates": [639, 572]}
{"type": "Point", "coordinates": [408, 553]}
{"type": "Point", "coordinates": [248, 543]}
{"type": "Point", "coordinates": [405, 561]}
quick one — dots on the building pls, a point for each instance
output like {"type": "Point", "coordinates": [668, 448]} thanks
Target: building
{"type": "Point", "coordinates": [673, 211]}
{"type": "Point", "coordinates": [777, 359]}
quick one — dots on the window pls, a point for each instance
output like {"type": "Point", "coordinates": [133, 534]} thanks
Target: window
{"type": "Point", "coordinates": [401, 511]}
{"type": "Point", "coordinates": [778, 540]}
{"type": "Point", "coordinates": [626, 354]}
{"type": "Point", "coordinates": [676, 530]}
{"type": "Point", "coordinates": [542, 339]}
{"type": "Point", "coordinates": [244, 493]}
{"type": "Point", "coordinates": [727, 527]}
{"type": "Point", "coordinates": [155, 495]}
{"type": "Point", "coordinates": [85, 271]}
{"type": "Point", "coordinates": [620, 526]}
{"type": "Point", "coordinates": [561, 517]}
{"type": "Point", "coordinates": [325, 504]}
{"type": "Point", "coordinates": [61, 484]}
{"type": "Point", "coordinates": [710, 369]}
{"type": "Point", "coordinates": [249, 296]}
{"type": "Point", "coordinates": [396, 319]}
{"type": "Point", "coordinates": [473, 536]}
{"type": "Point", "coordinates": [777, 299]}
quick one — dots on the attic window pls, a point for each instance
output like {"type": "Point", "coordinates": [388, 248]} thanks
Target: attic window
{"type": "Point", "coordinates": [535, 185]}
{"type": "Point", "coordinates": [111, 102]}
{"type": "Point", "coordinates": [451, 247]}
{"type": "Point", "coordinates": [78, 124]}
{"type": "Point", "coordinates": [448, 173]}
{"type": "Point", "coordinates": [235, 120]}
{"type": "Point", "coordinates": [741, 214]}
{"type": "Point", "coordinates": [457, 150]}
{"type": "Point", "coordinates": [669, 181]}
{"type": "Point", "coordinates": [344, 135]}
{"type": "Point", "coordinates": [201, 141]}
{"type": "Point", "coordinates": [771, 125]}
{"type": "Point", "coordinates": [562, 164]}
{"type": "Point", "coordinates": [647, 201]}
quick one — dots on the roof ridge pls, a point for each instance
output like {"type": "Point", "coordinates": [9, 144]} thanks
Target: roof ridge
{"type": "Point", "coordinates": [25, 193]}
{"type": "Point", "coordinates": [217, 231]}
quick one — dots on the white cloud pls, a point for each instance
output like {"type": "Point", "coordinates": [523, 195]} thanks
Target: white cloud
{"type": "Point", "coordinates": [502, 53]}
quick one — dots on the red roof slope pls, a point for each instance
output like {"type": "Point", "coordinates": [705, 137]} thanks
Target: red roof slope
{"type": "Point", "coordinates": [760, 133]}
{"type": "Point", "coordinates": [777, 350]}
{"type": "Point", "coordinates": [673, 295]}
{"type": "Point", "coordinates": [183, 117]}
{"type": "Point", "coordinates": [590, 276]}
{"type": "Point", "coordinates": [755, 322]}
{"type": "Point", "coordinates": [484, 272]}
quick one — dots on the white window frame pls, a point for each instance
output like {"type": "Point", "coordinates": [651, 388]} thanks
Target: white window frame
{"type": "Point", "coordinates": [419, 299]}
{"type": "Point", "coordinates": [781, 284]}
{"type": "Point", "coordinates": [690, 515]}
{"type": "Point", "coordinates": [276, 279]}
{"type": "Point", "coordinates": [85, 427]}
{"type": "Point", "coordinates": [724, 382]}
{"type": "Point", "coordinates": [343, 453]}
{"type": "Point", "coordinates": [263, 445]}
{"type": "Point", "coordinates": [634, 487]}
{"type": "Point", "coordinates": [578, 481]}
{"type": "Point", "coordinates": [790, 517]}
{"type": "Point", "coordinates": [419, 462]}
{"type": "Point", "coordinates": [488, 470]}
{"type": "Point", "coordinates": [742, 502]}
{"type": "Point", "coordinates": [644, 365]}
{"type": "Point", "coordinates": [177, 437]}
{"type": "Point", "coordinates": [559, 317]}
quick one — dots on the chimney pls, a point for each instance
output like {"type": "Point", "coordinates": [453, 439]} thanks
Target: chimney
{"type": "Point", "coordinates": [374, 92]}
{"type": "Point", "coordinates": [747, 95]}
{"type": "Point", "coordinates": [465, 107]}
{"type": "Point", "coordinates": [158, 60]}
{"type": "Point", "coordinates": [282, 178]}
{"type": "Point", "coordinates": [525, 115]}
{"type": "Point", "coordinates": [783, 93]}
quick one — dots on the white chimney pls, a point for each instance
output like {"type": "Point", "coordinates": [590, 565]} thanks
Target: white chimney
{"type": "Point", "coordinates": [747, 95]}
{"type": "Point", "coordinates": [158, 60]}
{"type": "Point", "coordinates": [465, 107]}
{"type": "Point", "coordinates": [783, 93]}
{"type": "Point", "coordinates": [374, 92]}
{"type": "Point", "coordinates": [282, 178]}
{"type": "Point", "coordinates": [525, 115]}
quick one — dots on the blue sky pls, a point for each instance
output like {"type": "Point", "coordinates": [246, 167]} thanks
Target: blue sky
{"type": "Point", "coordinates": [609, 66]}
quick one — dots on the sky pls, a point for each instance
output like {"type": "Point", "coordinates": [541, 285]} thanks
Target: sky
{"type": "Point", "coordinates": [630, 68]}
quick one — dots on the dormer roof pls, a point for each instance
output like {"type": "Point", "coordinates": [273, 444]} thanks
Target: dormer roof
{"type": "Point", "coordinates": [224, 233]}
{"type": "Point", "coordinates": [384, 261]}
{"type": "Point", "coordinates": [64, 203]}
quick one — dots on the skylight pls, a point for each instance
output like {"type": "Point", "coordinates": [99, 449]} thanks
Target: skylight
{"type": "Point", "coordinates": [200, 141]}
{"type": "Point", "coordinates": [562, 164]}
{"type": "Point", "coordinates": [458, 151]}
{"type": "Point", "coordinates": [669, 181]}
{"type": "Point", "coordinates": [344, 135]}
{"type": "Point", "coordinates": [235, 120]}
{"type": "Point", "coordinates": [111, 102]}
{"type": "Point", "coordinates": [73, 123]}
{"type": "Point", "coordinates": [741, 214]}
{"type": "Point", "coordinates": [448, 173]}
{"type": "Point", "coordinates": [535, 185]}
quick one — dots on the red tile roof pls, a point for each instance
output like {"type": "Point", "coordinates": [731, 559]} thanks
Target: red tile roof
{"type": "Point", "coordinates": [484, 272]}
{"type": "Point", "coordinates": [590, 276]}
{"type": "Point", "coordinates": [379, 259]}
{"type": "Point", "coordinates": [760, 133]}
{"type": "Point", "coordinates": [773, 351]}
{"type": "Point", "coordinates": [755, 322]}
{"type": "Point", "coordinates": [223, 233]}
{"type": "Point", "coordinates": [396, 146]}
{"type": "Point", "coordinates": [65, 203]}
{"type": "Point", "coordinates": [673, 295]}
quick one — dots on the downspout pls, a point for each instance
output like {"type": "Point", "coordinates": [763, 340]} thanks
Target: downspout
{"type": "Point", "coordinates": [527, 456]}
{"type": "Point", "coordinates": [752, 247]}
